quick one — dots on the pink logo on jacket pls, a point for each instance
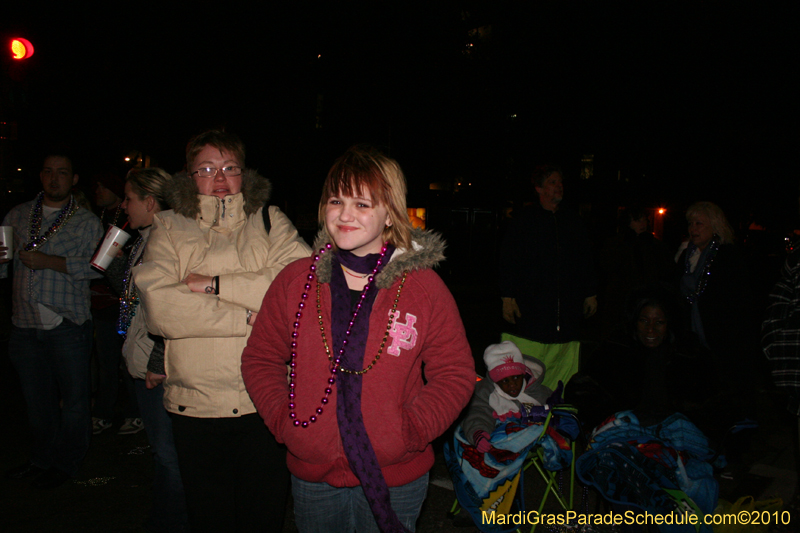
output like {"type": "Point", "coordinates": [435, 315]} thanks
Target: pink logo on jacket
{"type": "Point", "coordinates": [403, 335]}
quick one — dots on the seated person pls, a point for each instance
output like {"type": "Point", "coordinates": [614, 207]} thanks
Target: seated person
{"type": "Point", "coordinates": [648, 366]}
{"type": "Point", "coordinates": [513, 388]}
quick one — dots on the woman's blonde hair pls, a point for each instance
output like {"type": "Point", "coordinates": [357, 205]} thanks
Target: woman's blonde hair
{"type": "Point", "coordinates": [719, 223]}
{"type": "Point", "coordinates": [363, 168]}
{"type": "Point", "coordinates": [150, 181]}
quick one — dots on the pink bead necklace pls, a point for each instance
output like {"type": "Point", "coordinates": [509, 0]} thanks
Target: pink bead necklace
{"type": "Point", "coordinates": [335, 364]}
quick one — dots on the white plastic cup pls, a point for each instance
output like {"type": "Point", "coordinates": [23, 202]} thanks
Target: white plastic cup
{"type": "Point", "coordinates": [7, 239]}
{"type": "Point", "coordinates": [114, 240]}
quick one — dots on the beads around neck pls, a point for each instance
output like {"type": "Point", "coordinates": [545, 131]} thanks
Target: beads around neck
{"type": "Point", "coordinates": [335, 363]}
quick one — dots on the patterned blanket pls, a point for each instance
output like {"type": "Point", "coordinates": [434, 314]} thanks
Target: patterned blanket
{"type": "Point", "coordinates": [493, 481]}
{"type": "Point", "coordinates": [658, 469]}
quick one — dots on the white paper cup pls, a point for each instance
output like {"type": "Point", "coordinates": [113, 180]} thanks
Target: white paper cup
{"type": "Point", "coordinates": [7, 239]}
{"type": "Point", "coordinates": [114, 240]}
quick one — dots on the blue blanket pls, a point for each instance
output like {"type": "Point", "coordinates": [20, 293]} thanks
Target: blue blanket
{"type": "Point", "coordinates": [493, 481]}
{"type": "Point", "coordinates": [649, 467]}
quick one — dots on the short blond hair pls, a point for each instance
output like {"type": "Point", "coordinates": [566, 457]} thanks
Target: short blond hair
{"type": "Point", "coordinates": [150, 181]}
{"type": "Point", "coordinates": [364, 168]}
{"type": "Point", "coordinates": [719, 223]}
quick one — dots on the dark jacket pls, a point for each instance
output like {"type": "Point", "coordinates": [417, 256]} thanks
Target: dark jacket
{"type": "Point", "coordinates": [726, 308]}
{"type": "Point", "coordinates": [623, 374]}
{"type": "Point", "coordinates": [546, 265]}
{"type": "Point", "coordinates": [629, 262]}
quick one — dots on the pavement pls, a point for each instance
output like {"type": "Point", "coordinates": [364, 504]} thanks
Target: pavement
{"type": "Point", "coordinates": [112, 492]}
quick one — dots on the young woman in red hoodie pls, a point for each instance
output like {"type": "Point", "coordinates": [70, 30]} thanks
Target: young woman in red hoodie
{"type": "Point", "coordinates": [359, 324]}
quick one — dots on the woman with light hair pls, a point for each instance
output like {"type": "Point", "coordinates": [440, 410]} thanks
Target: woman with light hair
{"type": "Point", "coordinates": [145, 196]}
{"type": "Point", "coordinates": [702, 212]}
{"type": "Point", "coordinates": [715, 290]}
{"type": "Point", "coordinates": [356, 324]}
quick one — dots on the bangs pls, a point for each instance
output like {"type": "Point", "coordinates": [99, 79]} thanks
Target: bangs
{"type": "Point", "coordinates": [353, 176]}
{"type": "Point", "coordinates": [362, 170]}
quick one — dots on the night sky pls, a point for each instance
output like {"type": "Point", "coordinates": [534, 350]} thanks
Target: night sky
{"type": "Point", "coordinates": [682, 101]}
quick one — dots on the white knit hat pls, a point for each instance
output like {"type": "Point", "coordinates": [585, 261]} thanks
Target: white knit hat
{"type": "Point", "coordinates": [503, 360]}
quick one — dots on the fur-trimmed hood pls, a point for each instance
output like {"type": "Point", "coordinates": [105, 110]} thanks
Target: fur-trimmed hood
{"type": "Point", "coordinates": [427, 251]}
{"type": "Point", "coordinates": [183, 196]}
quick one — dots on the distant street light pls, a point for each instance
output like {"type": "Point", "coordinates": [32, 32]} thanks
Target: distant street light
{"type": "Point", "coordinates": [658, 223]}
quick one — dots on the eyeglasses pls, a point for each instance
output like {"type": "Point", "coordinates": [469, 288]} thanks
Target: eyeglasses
{"type": "Point", "coordinates": [210, 172]}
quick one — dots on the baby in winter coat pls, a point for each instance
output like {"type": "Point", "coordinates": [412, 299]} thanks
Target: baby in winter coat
{"type": "Point", "coordinates": [513, 388]}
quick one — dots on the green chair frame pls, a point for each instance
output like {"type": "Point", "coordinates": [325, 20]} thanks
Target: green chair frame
{"type": "Point", "coordinates": [551, 478]}
{"type": "Point", "coordinates": [561, 363]}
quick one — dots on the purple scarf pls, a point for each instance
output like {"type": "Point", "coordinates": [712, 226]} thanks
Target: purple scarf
{"type": "Point", "coordinates": [357, 446]}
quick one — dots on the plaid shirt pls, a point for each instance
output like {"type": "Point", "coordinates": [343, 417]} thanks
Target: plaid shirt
{"type": "Point", "coordinates": [65, 294]}
{"type": "Point", "coordinates": [780, 332]}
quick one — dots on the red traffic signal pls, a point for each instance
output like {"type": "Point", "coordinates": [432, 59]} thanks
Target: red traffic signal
{"type": "Point", "coordinates": [21, 48]}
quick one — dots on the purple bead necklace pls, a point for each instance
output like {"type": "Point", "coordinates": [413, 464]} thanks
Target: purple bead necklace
{"type": "Point", "coordinates": [336, 362]}
{"type": "Point", "coordinates": [35, 224]}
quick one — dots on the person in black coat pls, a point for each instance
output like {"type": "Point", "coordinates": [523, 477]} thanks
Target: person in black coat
{"type": "Point", "coordinates": [629, 261]}
{"type": "Point", "coordinates": [717, 301]}
{"type": "Point", "coordinates": [649, 366]}
{"type": "Point", "coordinates": [547, 280]}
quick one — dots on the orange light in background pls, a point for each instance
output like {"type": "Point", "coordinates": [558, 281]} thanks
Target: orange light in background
{"type": "Point", "coordinates": [417, 217]}
{"type": "Point", "coordinates": [21, 48]}
{"type": "Point", "coordinates": [658, 222]}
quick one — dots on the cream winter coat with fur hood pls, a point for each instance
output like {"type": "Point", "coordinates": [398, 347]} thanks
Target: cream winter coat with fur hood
{"type": "Point", "coordinates": [205, 333]}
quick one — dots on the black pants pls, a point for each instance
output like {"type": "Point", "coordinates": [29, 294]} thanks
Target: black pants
{"type": "Point", "coordinates": [234, 473]}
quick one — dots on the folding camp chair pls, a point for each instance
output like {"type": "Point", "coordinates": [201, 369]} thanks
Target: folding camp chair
{"type": "Point", "coordinates": [561, 362]}
{"type": "Point", "coordinates": [493, 482]}
{"type": "Point", "coordinates": [553, 478]}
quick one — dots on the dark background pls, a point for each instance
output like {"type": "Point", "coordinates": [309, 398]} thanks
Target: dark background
{"type": "Point", "coordinates": [675, 102]}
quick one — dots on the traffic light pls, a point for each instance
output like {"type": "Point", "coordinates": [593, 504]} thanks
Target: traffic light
{"type": "Point", "coordinates": [21, 48]}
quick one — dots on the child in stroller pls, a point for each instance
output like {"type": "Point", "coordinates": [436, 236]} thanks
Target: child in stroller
{"type": "Point", "coordinates": [513, 388]}
{"type": "Point", "coordinates": [505, 420]}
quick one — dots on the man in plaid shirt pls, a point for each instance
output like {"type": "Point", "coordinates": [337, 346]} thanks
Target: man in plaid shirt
{"type": "Point", "coordinates": [51, 338]}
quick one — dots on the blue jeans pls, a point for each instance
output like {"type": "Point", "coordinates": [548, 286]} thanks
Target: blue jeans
{"type": "Point", "coordinates": [53, 369]}
{"type": "Point", "coordinates": [322, 508]}
{"type": "Point", "coordinates": [169, 503]}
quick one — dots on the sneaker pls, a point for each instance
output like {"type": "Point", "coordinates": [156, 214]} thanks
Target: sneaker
{"type": "Point", "coordinates": [131, 426]}
{"type": "Point", "coordinates": [99, 425]}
